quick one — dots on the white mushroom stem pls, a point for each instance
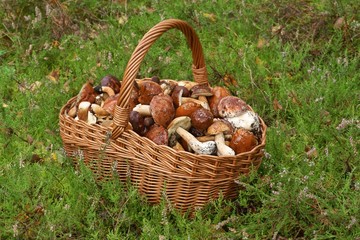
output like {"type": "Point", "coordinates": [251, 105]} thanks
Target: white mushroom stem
{"type": "Point", "coordinates": [222, 148]}
{"type": "Point", "coordinates": [99, 111]}
{"type": "Point", "coordinates": [91, 118]}
{"type": "Point", "coordinates": [205, 103]}
{"type": "Point", "coordinates": [205, 148]}
{"type": "Point", "coordinates": [108, 90]}
{"type": "Point", "coordinates": [249, 121]}
{"type": "Point", "coordinates": [144, 110]}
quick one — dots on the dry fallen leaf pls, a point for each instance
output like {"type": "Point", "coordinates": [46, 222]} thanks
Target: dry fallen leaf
{"type": "Point", "coordinates": [262, 43]}
{"type": "Point", "coordinates": [277, 106]}
{"type": "Point", "coordinates": [229, 80]}
{"type": "Point", "coordinates": [53, 76]}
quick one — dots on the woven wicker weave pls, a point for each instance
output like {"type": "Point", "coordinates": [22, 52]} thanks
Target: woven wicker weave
{"type": "Point", "coordinates": [188, 180]}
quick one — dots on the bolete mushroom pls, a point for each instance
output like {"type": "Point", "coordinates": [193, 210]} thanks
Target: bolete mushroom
{"type": "Point", "coordinates": [112, 82]}
{"type": "Point", "coordinates": [161, 108]}
{"type": "Point", "coordinates": [201, 119]}
{"type": "Point", "coordinates": [243, 141]}
{"type": "Point", "coordinates": [184, 122]}
{"type": "Point", "coordinates": [218, 129]}
{"type": "Point", "coordinates": [85, 114]}
{"type": "Point", "coordinates": [206, 148]}
{"type": "Point", "coordinates": [178, 93]}
{"type": "Point", "coordinates": [147, 90]}
{"type": "Point", "coordinates": [158, 134]}
{"type": "Point", "coordinates": [218, 94]}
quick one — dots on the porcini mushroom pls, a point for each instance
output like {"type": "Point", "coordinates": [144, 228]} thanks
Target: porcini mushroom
{"type": "Point", "coordinates": [184, 122]}
{"type": "Point", "coordinates": [218, 129]}
{"type": "Point", "coordinates": [147, 90]}
{"type": "Point", "coordinates": [85, 114]}
{"type": "Point", "coordinates": [201, 119]}
{"type": "Point", "coordinates": [112, 82]}
{"type": "Point", "coordinates": [249, 120]}
{"type": "Point", "coordinates": [218, 94]}
{"type": "Point", "coordinates": [161, 108]}
{"type": "Point", "coordinates": [243, 141]}
{"type": "Point", "coordinates": [178, 93]}
{"type": "Point", "coordinates": [157, 134]}
{"type": "Point", "coordinates": [206, 148]}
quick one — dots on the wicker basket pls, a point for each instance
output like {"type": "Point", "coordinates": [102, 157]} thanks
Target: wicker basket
{"type": "Point", "coordinates": [188, 180]}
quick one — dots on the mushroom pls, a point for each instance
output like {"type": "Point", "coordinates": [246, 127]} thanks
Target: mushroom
{"type": "Point", "coordinates": [84, 114]}
{"type": "Point", "coordinates": [201, 119]}
{"type": "Point", "coordinates": [184, 122]}
{"type": "Point", "coordinates": [243, 141]}
{"type": "Point", "coordinates": [99, 111]}
{"type": "Point", "coordinates": [218, 94]}
{"type": "Point", "coordinates": [167, 86]}
{"type": "Point", "coordinates": [231, 106]}
{"type": "Point", "coordinates": [147, 90]}
{"type": "Point", "coordinates": [249, 120]}
{"type": "Point", "coordinates": [201, 90]}
{"type": "Point", "coordinates": [178, 93]}
{"type": "Point", "coordinates": [137, 122]}
{"type": "Point", "coordinates": [112, 82]}
{"type": "Point", "coordinates": [157, 134]}
{"type": "Point", "coordinates": [105, 90]}
{"type": "Point", "coordinates": [206, 148]}
{"type": "Point", "coordinates": [218, 129]}
{"type": "Point", "coordinates": [161, 108]}
{"type": "Point", "coordinates": [86, 94]}
{"type": "Point", "coordinates": [110, 103]}
{"type": "Point", "coordinates": [187, 109]}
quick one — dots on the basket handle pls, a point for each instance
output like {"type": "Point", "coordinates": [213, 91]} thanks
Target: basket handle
{"type": "Point", "coordinates": [122, 111]}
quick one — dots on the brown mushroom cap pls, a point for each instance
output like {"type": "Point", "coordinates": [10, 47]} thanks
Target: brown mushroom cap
{"type": "Point", "coordinates": [112, 82]}
{"type": "Point", "coordinates": [201, 90]}
{"type": "Point", "coordinates": [243, 141]}
{"type": "Point", "coordinates": [220, 126]}
{"type": "Point", "coordinates": [187, 109]}
{"type": "Point", "coordinates": [86, 94]}
{"type": "Point", "coordinates": [110, 104]}
{"type": "Point", "coordinates": [219, 93]}
{"type": "Point", "coordinates": [231, 106]}
{"type": "Point", "coordinates": [147, 90]}
{"type": "Point", "coordinates": [162, 109]}
{"type": "Point", "coordinates": [201, 119]}
{"type": "Point", "coordinates": [158, 134]}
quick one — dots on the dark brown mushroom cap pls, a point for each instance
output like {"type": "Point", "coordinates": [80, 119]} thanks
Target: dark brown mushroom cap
{"type": "Point", "coordinates": [218, 94]}
{"type": "Point", "coordinates": [201, 119]}
{"type": "Point", "coordinates": [111, 81]}
{"type": "Point", "coordinates": [158, 134]}
{"type": "Point", "coordinates": [179, 92]}
{"type": "Point", "coordinates": [162, 109]}
{"type": "Point", "coordinates": [137, 123]}
{"type": "Point", "coordinates": [243, 141]}
{"type": "Point", "coordinates": [147, 90]}
{"type": "Point", "coordinates": [231, 106]}
{"type": "Point", "coordinates": [201, 90]}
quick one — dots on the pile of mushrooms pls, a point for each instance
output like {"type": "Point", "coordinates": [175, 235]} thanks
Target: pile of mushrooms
{"type": "Point", "coordinates": [183, 115]}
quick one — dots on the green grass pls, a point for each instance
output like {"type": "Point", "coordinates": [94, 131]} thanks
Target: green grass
{"type": "Point", "coordinates": [303, 80]}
